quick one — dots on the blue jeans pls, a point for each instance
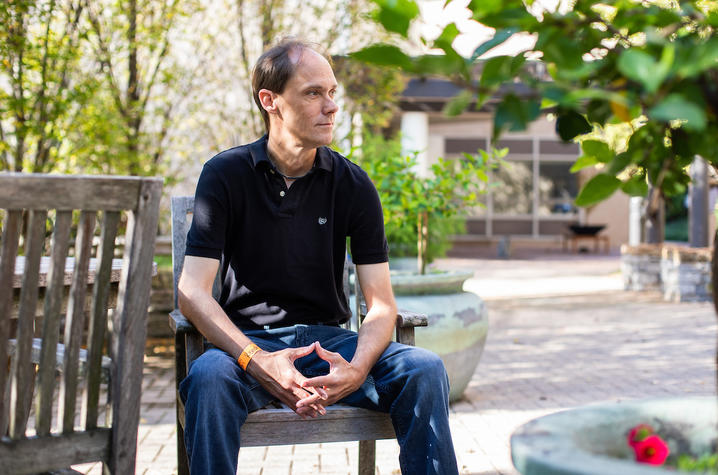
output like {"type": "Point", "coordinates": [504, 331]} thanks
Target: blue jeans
{"type": "Point", "coordinates": [407, 382]}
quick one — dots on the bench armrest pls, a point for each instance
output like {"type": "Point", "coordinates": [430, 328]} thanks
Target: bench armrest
{"type": "Point", "coordinates": [407, 318]}
{"type": "Point", "coordinates": [179, 323]}
{"type": "Point", "coordinates": [404, 318]}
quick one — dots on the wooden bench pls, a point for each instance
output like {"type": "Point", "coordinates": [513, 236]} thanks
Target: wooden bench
{"type": "Point", "coordinates": [52, 209]}
{"type": "Point", "coordinates": [279, 425]}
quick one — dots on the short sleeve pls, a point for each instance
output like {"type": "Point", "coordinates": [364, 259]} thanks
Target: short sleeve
{"type": "Point", "coordinates": [206, 236]}
{"type": "Point", "coordinates": [367, 238]}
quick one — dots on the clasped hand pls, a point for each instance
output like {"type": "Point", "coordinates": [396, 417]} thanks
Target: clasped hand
{"type": "Point", "coordinates": [276, 372]}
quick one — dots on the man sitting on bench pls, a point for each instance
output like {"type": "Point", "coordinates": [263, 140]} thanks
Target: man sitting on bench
{"type": "Point", "coordinates": [273, 216]}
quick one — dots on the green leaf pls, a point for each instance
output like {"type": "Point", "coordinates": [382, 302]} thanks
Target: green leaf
{"type": "Point", "coordinates": [636, 185]}
{"type": "Point", "coordinates": [694, 59]}
{"type": "Point", "coordinates": [396, 15]}
{"type": "Point", "coordinates": [499, 37]}
{"type": "Point", "coordinates": [562, 50]}
{"type": "Point", "coordinates": [641, 67]}
{"type": "Point", "coordinates": [496, 70]}
{"type": "Point", "coordinates": [677, 107]}
{"type": "Point", "coordinates": [571, 124]}
{"type": "Point", "coordinates": [597, 149]}
{"type": "Point", "coordinates": [597, 189]}
{"type": "Point", "coordinates": [458, 103]}
{"type": "Point", "coordinates": [514, 114]}
{"type": "Point", "coordinates": [584, 161]}
{"type": "Point", "coordinates": [482, 8]}
{"type": "Point", "coordinates": [447, 37]}
{"type": "Point", "coordinates": [441, 64]}
{"type": "Point", "coordinates": [384, 55]}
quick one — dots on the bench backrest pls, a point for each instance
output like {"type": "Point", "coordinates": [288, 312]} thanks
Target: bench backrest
{"type": "Point", "coordinates": [45, 219]}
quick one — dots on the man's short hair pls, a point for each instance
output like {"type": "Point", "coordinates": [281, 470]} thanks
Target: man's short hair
{"type": "Point", "coordinates": [275, 67]}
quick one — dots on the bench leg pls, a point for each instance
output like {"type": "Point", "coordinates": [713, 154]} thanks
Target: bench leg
{"type": "Point", "coordinates": [182, 462]}
{"type": "Point", "coordinates": [367, 457]}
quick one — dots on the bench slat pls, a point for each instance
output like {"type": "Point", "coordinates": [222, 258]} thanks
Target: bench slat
{"type": "Point", "coordinates": [75, 322]}
{"type": "Point", "coordinates": [47, 358]}
{"type": "Point", "coordinates": [98, 319]}
{"type": "Point", "coordinates": [23, 378]}
{"type": "Point", "coordinates": [11, 231]}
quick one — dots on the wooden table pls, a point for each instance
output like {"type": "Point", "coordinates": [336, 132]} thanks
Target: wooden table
{"type": "Point", "coordinates": [572, 240]}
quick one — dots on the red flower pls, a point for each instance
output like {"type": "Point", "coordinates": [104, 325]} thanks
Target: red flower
{"type": "Point", "coordinates": [652, 450]}
{"type": "Point", "coordinates": [639, 433]}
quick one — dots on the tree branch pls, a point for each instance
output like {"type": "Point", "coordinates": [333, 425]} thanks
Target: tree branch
{"type": "Point", "coordinates": [106, 61]}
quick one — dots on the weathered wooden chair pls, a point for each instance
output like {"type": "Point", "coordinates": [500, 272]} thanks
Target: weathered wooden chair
{"type": "Point", "coordinates": [44, 347]}
{"type": "Point", "coordinates": [279, 425]}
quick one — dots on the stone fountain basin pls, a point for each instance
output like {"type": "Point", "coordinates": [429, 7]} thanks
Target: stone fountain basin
{"type": "Point", "coordinates": [591, 440]}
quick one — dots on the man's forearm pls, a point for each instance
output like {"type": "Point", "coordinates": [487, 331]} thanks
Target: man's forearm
{"type": "Point", "coordinates": [374, 336]}
{"type": "Point", "coordinates": [210, 319]}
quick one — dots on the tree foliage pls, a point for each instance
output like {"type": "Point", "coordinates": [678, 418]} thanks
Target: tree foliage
{"type": "Point", "coordinates": [651, 65]}
{"type": "Point", "coordinates": [41, 86]}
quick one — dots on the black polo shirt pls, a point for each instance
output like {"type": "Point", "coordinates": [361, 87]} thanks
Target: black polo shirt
{"type": "Point", "coordinates": [282, 250]}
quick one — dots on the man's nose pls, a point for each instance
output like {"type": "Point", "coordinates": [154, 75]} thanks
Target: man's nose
{"type": "Point", "coordinates": [330, 107]}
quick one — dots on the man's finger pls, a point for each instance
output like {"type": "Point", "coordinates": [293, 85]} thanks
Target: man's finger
{"type": "Point", "coordinates": [297, 353]}
{"type": "Point", "coordinates": [327, 355]}
{"type": "Point", "coordinates": [307, 399]}
{"type": "Point", "coordinates": [320, 391]}
{"type": "Point", "coordinates": [320, 382]}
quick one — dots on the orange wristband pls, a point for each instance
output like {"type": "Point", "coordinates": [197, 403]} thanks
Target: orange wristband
{"type": "Point", "coordinates": [247, 354]}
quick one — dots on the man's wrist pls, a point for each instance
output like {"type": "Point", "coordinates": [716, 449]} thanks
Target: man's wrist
{"type": "Point", "coordinates": [247, 354]}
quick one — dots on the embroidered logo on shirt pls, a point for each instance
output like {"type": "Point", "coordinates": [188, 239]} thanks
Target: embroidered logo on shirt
{"type": "Point", "coordinates": [322, 221]}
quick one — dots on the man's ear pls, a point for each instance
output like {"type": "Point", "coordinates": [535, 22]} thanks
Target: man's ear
{"type": "Point", "coordinates": [268, 100]}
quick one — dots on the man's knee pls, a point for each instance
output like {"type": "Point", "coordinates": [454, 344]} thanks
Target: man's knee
{"type": "Point", "coordinates": [430, 368]}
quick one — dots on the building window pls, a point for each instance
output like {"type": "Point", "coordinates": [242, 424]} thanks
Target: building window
{"type": "Point", "coordinates": [533, 193]}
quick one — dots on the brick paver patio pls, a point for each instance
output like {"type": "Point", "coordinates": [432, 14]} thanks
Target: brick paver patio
{"type": "Point", "coordinates": [545, 352]}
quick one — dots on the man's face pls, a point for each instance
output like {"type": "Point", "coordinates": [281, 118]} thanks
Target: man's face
{"type": "Point", "coordinates": [306, 108]}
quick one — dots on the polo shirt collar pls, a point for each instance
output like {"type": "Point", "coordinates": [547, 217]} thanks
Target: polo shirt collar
{"type": "Point", "coordinates": [258, 151]}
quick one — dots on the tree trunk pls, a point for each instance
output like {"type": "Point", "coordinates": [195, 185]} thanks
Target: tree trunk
{"type": "Point", "coordinates": [655, 217]}
{"type": "Point", "coordinates": [422, 229]}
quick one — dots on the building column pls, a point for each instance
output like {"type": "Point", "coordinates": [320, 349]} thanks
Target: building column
{"type": "Point", "coordinates": [635, 211]}
{"type": "Point", "coordinates": [415, 139]}
{"type": "Point", "coordinates": [698, 210]}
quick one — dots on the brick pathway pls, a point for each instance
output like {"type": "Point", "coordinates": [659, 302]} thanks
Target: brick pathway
{"type": "Point", "coordinates": [543, 354]}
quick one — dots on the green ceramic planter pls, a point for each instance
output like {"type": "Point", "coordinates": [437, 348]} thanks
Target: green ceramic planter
{"type": "Point", "coordinates": [458, 321]}
{"type": "Point", "coordinates": [591, 440]}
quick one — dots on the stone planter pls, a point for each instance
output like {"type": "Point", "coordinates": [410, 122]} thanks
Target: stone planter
{"type": "Point", "coordinates": [686, 274]}
{"type": "Point", "coordinates": [458, 321]}
{"type": "Point", "coordinates": [682, 273]}
{"type": "Point", "coordinates": [591, 440]}
{"type": "Point", "coordinates": [641, 266]}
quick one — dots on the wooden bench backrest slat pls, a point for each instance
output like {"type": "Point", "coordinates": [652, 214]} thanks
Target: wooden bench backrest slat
{"type": "Point", "coordinates": [22, 373]}
{"type": "Point", "coordinates": [51, 322]}
{"type": "Point", "coordinates": [98, 319]}
{"type": "Point", "coordinates": [11, 231]}
{"type": "Point", "coordinates": [74, 321]}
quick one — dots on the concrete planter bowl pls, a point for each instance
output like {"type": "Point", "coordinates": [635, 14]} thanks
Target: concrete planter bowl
{"type": "Point", "coordinates": [458, 320]}
{"type": "Point", "coordinates": [591, 440]}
